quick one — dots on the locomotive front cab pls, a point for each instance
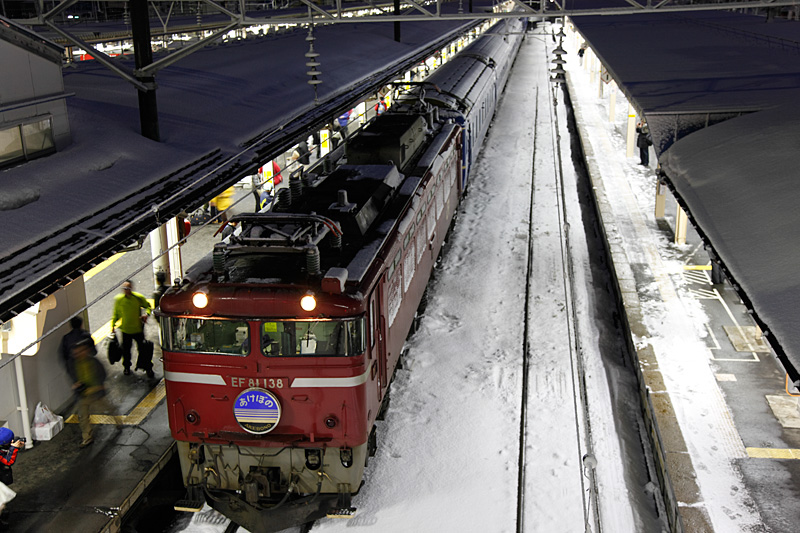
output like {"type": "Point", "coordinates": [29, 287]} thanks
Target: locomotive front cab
{"type": "Point", "coordinates": [267, 412]}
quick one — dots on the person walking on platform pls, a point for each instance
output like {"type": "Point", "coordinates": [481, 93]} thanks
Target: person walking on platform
{"type": "Point", "coordinates": [76, 335]}
{"type": "Point", "coordinates": [223, 203]}
{"type": "Point", "coordinates": [643, 142]}
{"type": "Point", "coordinates": [380, 107]}
{"type": "Point", "coordinates": [316, 142]}
{"type": "Point", "coordinates": [301, 156]}
{"type": "Point", "coordinates": [88, 377]}
{"type": "Point", "coordinates": [343, 121]}
{"type": "Point", "coordinates": [127, 310]}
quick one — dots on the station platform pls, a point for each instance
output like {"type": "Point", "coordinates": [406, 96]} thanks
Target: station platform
{"type": "Point", "coordinates": [715, 395]}
{"type": "Point", "coordinates": [65, 488]}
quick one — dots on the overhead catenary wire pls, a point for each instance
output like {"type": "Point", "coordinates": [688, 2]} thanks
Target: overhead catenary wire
{"type": "Point", "coordinates": [587, 461]}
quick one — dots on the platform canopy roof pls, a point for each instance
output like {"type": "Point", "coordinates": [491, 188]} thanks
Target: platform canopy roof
{"type": "Point", "coordinates": [223, 112]}
{"type": "Point", "coordinates": [720, 91]}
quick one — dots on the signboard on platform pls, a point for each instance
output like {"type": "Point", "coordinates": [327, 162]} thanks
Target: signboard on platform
{"type": "Point", "coordinates": [604, 74]}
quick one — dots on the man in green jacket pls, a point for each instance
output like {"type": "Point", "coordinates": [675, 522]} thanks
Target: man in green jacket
{"type": "Point", "coordinates": [127, 310]}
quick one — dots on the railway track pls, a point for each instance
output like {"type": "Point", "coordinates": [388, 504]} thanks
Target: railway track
{"type": "Point", "coordinates": [550, 217]}
{"type": "Point", "coordinates": [533, 424]}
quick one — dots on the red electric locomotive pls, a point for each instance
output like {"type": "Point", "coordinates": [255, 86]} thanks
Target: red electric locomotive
{"type": "Point", "coordinates": [279, 348]}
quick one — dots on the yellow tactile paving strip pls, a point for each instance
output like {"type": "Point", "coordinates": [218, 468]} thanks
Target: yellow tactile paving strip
{"type": "Point", "coordinates": [697, 267]}
{"type": "Point", "coordinates": [773, 453]}
{"type": "Point", "coordinates": [93, 271]}
{"type": "Point", "coordinates": [137, 414]}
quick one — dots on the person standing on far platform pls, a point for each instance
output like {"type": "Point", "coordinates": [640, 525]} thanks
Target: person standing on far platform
{"type": "Point", "coordinates": [127, 310]}
{"type": "Point", "coordinates": [643, 141]}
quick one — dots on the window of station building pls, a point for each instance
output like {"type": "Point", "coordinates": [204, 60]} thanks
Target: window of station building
{"type": "Point", "coordinates": [26, 141]}
{"type": "Point", "coordinates": [327, 338]}
{"type": "Point", "coordinates": [224, 337]}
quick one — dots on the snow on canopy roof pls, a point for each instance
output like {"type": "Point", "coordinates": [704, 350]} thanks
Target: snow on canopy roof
{"type": "Point", "coordinates": [698, 62]}
{"type": "Point", "coordinates": [739, 180]}
{"type": "Point", "coordinates": [692, 75]}
{"type": "Point", "coordinates": [210, 103]}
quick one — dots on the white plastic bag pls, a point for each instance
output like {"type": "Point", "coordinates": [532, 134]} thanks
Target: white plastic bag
{"type": "Point", "coordinates": [46, 424]}
{"type": "Point", "coordinates": [6, 495]}
{"type": "Point", "coordinates": [43, 415]}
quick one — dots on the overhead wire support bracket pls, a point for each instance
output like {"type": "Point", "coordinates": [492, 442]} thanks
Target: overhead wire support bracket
{"type": "Point", "coordinates": [379, 8]}
{"type": "Point", "coordinates": [231, 14]}
{"type": "Point", "coordinates": [173, 57]}
{"type": "Point", "coordinates": [103, 59]}
{"type": "Point", "coordinates": [318, 9]}
{"type": "Point", "coordinates": [420, 8]}
{"type": "Point", "coordinates": [526, 7]}
{"type": "Point", "coordinates": [634, 3]}
{"type": "Point", "coordinates": [63, 6]}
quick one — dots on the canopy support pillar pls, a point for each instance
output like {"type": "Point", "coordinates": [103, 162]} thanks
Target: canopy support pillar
{"type": "Point", "coordinates": [630, 138]}
{"type": "Point", "coordinates": [661, 198]}
{"type": "Point", "coordinates": [681, 222]}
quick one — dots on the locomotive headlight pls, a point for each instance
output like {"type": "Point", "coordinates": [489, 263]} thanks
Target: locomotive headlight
{"type": "Point", "coordinates": [200, 299]}
{"type": "Point", "coordinates": [308, 302]}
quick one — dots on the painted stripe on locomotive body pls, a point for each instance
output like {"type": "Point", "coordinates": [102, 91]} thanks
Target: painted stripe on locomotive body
{"type": "Point", "coordinates": [216, 379]}
{"type": "Point", "coordinates": [200, 379]}
{"type": "Point", "coordinates": [354, 381]}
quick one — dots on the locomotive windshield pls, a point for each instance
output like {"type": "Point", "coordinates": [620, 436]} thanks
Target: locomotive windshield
{"type": "Point", "coordinates": [227, 337]}
{"type": "Point", "coordinates": [321, 338]}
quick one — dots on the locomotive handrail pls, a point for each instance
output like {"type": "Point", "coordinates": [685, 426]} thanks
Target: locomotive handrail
{"type": "Point", "coordinates": [255, 218]}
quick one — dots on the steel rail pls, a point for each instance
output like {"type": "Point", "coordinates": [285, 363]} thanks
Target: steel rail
{"type": "Point", "coordinates": [523, 418]}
